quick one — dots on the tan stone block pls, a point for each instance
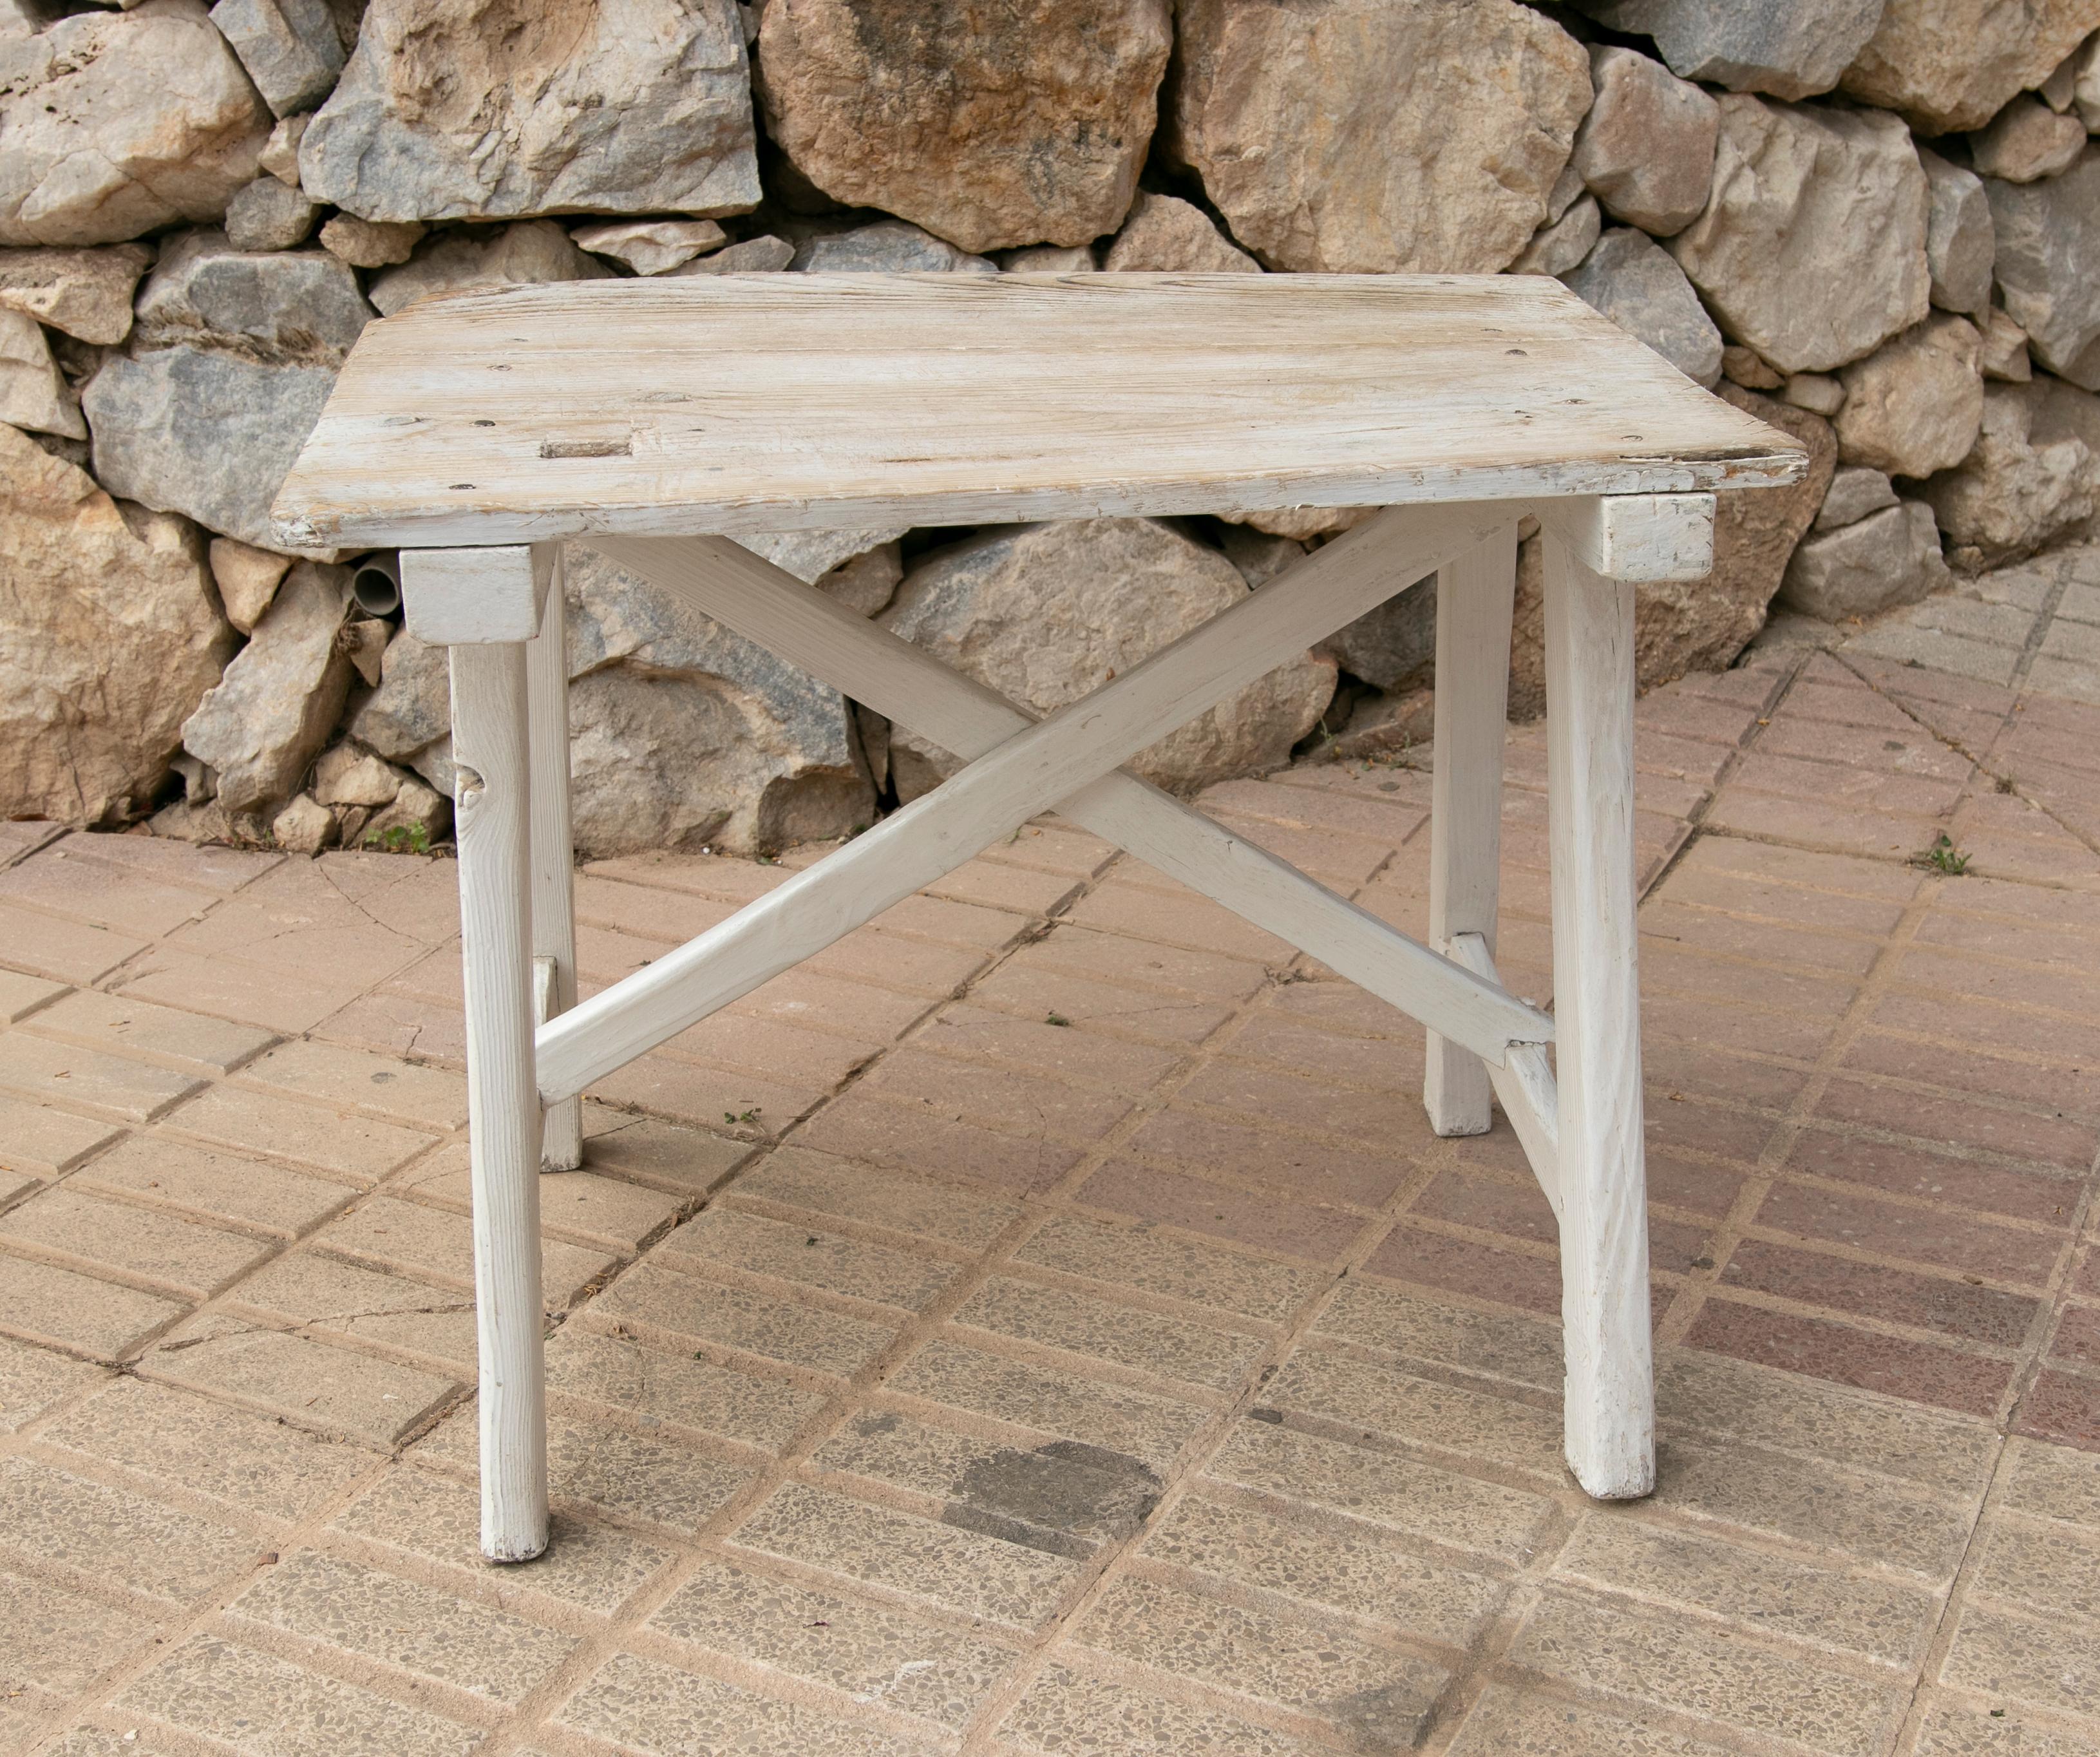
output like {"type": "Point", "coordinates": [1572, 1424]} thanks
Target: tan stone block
{"type": "Point", "coordinates": [1067, 1710]}
{"type": "Point", "coordinates": [221, 1186]}
{"type": "Point", "coordinates": [33, 1381]}
{"type": "Point", "coordinates": [1525, 1350]}
{"type": "Point", "coordinates": [741, 1317]}
{"type": "Point", "coordinates": [47, 1143]}
{"type": "Point", "coordinates": [871, 1652]}
{"type": "Point", "coordinates": [181, 1254]}
{"type": "Point", "coordinates": [218, 1690]}
{"type": "Point", "coordinates": [1179, 1269]}
{"type": "Point", "coordinates": [1372, 1696]}
{"type": "Point", "coordinates": [66, 951]}
{"type": "Point", "coordinates": [384, 1233]}
{"type": "Point", "coordinates": [935, 1562]}
{"type": "Point", "coordinates": [355, 1147]}
{"type": "Point", "coordinates": [643, 1706]}
{"type": "Point", "coordinates": [133, 1091]}
{"type": "Point", "coordinates": [1065, 1497]}
{"type": "Point", "coordinates": [116, 1536]}
{"type": "Point", "coordinates": [605, 1212]}
{"type": "Point", "coordinates": [1329, 1563]}
{"type": "Point", "coordinates": [1383, 1488]}
{"type": "Point", "coordinates": [140, 1028]}
{"type": "Point", "coordinates": [323, 1294]}
{"type": "Point", "coordinates": [1957, 1730]}
{"type": "Point", "coordinates": [307, 1382]}
{"type": "Point", "coordinates": [658, 1386]}
{"type": "Point", "coordinates": [1813, 1503]}
{"type": "Point", "coordinates": [431, 1096]}
{"type": "Point", "coordinates": [489, 1653]}
{"type": "Point", "coordinates": [1860, 1614]}
{"type": "Point", "coordinates": [2055, 1481]}
{"type": "Point", "coordinates": [665, 1482]}
{"type": "Point", "coordinates": [1508, 1722]}
{"type": "Point", "coordinates": [1674, 1663]}
{"type": "Point", "coordinates": [21, 995]}
{"type": "Point", "coordinates": [44, 1303]}
{"type": "Point", "coordinates": [2043, 1567]}
{"type": "Point", "coordinates": [794, 1252]}
{"type": "Point", "coordinates": [1137, 1423]}
{"type": "Point", "coordinates": [2049, 1661]}
{"type": "Point", "coordinates": [1059, 1317]}
{"type": "Point", "coordinates": [1379, 1399]}
{"type": "Point", "coordinates": [59, 1639]}
{"type": "Point", "coordinates": [251, 1462]}
{"type": "Point", "coordinates": [796, 1177]}
{"type": "Point", "coordinates": [686, 1162]}
{"type": "Point", "coordinates": [438, 1519]}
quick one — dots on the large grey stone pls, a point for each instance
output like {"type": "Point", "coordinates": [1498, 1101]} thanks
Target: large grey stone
{"type": "Point", "coordinates": [989, 125]}
{"type": "Point", "coordinates": [265, 721]}
{"type": "Point", "coordinates": [276, 308]}
{"type": "Point", "coordinates": [1632, 280]}
{"type": "Point", "coordinates": [1915, 405]}
{"type": "Point", "coordinates": [269, 215]}
{"type": "Point", "coordinates": [1856, 491]}
{"type": "Point", "coordinates": [2048, 265]}
{"type": "Point", "coordinates": [1394, 646]}
{"type": "Point", "coordinates": [1561, 244]}
{"type": "Point", "coordinates": [809, 555]}
{"type": "Point", "coordinates": [291, 48]}
{"type": "Point", "coordinates": [1165, 235]}
{"type": "Point", "coordinates": [531, 252]}
{"type": "Point", "coordinates": [2026, 480]}
{"type": "Point", "coordinates": [887, 247]}
{"type": "Point", "coordinates": [484, 109]}
{"type": "Point", "coordinates": [763, 255]}
{"type": "Point", "coordinates": [412, 710]}
{"type": "Point", "coordinates": [1045, 614]}
{"type": "Point", "coordinates": [1812, 249]}
{"type": "Point", "coordinates": [1787, 48]}
{"type": "Point", "coordinates": [116, 123]}
{"type": "Point", "coordinates": [33, 392]}
{"type": "Point", "coordinates": [1376, 135]}
{"type": "Point", "coordinates": [1646, 149]}
{"type": "Point", "coordinates": [86, 293]}
{"type": "Point", "coordinates": [206, 434]}
{"type": "Point", "coordinates": [1952, 64]}
{"type": "Point", "coordinates": [110, 635]}
{"type": "Point", "coordinates": [1960, 243]}
{"type": "Point", "coordinates": [1888, 558]}
{"type": "Point", "coordinates": [2027, 140]}
{"type": "Point", "coordinates": [685, 735]}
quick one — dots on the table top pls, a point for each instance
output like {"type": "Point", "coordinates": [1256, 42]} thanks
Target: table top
{"type": "Point", "coordinates": [747, 402]}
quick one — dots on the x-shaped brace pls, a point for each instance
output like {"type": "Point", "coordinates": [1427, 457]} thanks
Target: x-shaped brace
{"type": "Point", "coordinates": [1022, 766]}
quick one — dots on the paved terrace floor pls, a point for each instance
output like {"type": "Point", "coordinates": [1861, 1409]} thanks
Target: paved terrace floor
{"type": "Point", "coordinates": [1044, 1324]}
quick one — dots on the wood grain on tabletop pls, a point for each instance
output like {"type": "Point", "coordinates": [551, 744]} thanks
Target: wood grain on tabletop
{"type": "Point", "coordinates": [775, 402]}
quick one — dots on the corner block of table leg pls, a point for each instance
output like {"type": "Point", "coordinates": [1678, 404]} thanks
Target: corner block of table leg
{"type": "Point", "coordinates": [1640, 538]}
{"type": "Point", "coordinates": [475, 597]}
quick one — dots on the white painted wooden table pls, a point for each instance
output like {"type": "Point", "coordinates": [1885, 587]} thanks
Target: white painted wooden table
{"type": "Point", "coordinates": [651, 420]}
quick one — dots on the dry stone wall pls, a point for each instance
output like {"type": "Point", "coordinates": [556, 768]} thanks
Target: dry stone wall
{"type": "Point", "coordinates": [1875, 224]}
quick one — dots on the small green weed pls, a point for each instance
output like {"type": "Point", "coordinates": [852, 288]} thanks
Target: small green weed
{"type": "Point", "coordinates": [1943, 856]}
{"type": "Point", "coordinates": [402, 839]}
{"type": "Point", "coordinates": [1055, 1018]}
{"type": "Point", "coordinates": [750, 1116]}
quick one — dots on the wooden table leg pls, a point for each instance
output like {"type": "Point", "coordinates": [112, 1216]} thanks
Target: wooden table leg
{"type": "Point", "coordinates": [1475, 597]}
{"type": "Point", "coordinates": [553, 889]}
{"type": "Point", "coordinates": [484, 605]}
{"type": "Point", "coordinates": [1610, 1406]}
